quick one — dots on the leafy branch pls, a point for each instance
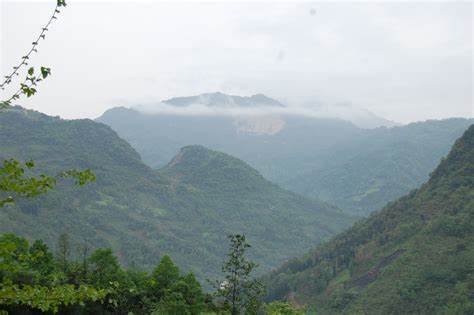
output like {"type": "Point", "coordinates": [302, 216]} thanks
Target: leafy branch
{"type": "Point", "coordinates": [14, 180]}
{"type": "Point", "coordinates": [27, 86]}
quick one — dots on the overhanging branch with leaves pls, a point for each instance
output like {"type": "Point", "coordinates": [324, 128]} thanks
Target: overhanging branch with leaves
{"type": "Point", "coordinates": [27, 87]}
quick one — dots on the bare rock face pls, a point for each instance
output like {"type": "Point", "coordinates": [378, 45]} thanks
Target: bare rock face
{"type": "Point", "coordinates": [259, 124]}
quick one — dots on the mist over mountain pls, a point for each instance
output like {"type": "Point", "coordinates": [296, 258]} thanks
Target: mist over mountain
{"type": "Point", "coordinates": [260, 106]}
{"type": "Point", "coordinates": [313, 155]}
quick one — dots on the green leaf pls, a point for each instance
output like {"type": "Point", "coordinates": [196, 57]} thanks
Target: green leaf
{"type": "Point", "coordinates": [31, 71]}
{"type": "Point", "coordinates": [28, 91]}
{"type": "Point", "coordinates": [45, 72]}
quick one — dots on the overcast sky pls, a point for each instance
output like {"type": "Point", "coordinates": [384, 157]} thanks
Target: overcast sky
{"type": "Point", "coordinates": [403, 61]}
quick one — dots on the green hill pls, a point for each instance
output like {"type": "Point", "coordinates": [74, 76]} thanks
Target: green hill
{"type": "Point", "coordinates": [244, 200]}
{"type": "Point", "coordinates": [415, 256]}
{"type": "Point", "coordinates": [143, 214]}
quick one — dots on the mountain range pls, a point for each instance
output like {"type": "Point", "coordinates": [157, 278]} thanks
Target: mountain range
{"type": "Point", "coordinates": [359, 170]}
{"type": "Point", "coordinates": [415, 256]}
{"type": "Point", "coordinates": [184, 210]}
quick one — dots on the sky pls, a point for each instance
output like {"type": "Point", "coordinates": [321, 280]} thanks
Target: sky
{"type": "Point", "coordinates": [404, 61]}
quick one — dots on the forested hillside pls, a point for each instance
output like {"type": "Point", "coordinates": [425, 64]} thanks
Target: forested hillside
{"type": "Point", "coordinates": [415, 256]}
{"type": "Point", "coordinates": [143, 214]}
{"type": "Point", "coordinates": [239, 193]}
{"type": "Point", "coordinates": [312, 156]}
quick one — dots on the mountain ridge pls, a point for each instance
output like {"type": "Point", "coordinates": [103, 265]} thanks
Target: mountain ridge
{"type": "Point", "coordinates": [312, 157]}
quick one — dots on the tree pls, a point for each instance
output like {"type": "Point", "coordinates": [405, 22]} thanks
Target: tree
{"type": "Point", "coordinates": [164, 275]}
{"type": "Point", "coordinates": [192, 293]}
{"type": "Point", "coordinates": [239, 290]}
{"type": "Point", "coordinates": [184, 297]}
{"type": "Point", "coordinates": [42, 258]}
{"type": "Point", "coordinates": [104, 268]}
{"type": "Point", "coordinates": [64, 250]}
{"type": "Point", "coordinates": [84, 253]}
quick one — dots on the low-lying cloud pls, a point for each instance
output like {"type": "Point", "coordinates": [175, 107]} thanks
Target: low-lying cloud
{"type": "Point", "coordinates": [359, 116]}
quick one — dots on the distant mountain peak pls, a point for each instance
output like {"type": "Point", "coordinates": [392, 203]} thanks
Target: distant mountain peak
{"type": "Point", "coordinates": [219, 99]}
{"type": "Point", "coordinates": [191, 151]}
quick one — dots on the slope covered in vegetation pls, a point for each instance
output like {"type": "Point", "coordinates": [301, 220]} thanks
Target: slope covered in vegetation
{"type": "Point", "coordinates": [415, 256]}
{"type": "Point", "coordinates": [143, 214]}
{"type": "Point", "coordinates": [383, 165]}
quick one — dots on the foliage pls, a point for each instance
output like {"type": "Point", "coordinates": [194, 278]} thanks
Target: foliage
{"type": "Point", "coordinates": [12, 180]}
{"type": "Point", "coordinates": [415, 256]}
{"type": "Point", "coordinates": [239, 290]}
{"type": "Point", "coordinates": [15, 180]}
{"type": "Point", "coordinates": [164, 275]}
{"type": "Point", "coordinates": [31, 281]}
{"type": "Point", "coordinates": [46, 299]}
{"type": "Point", "coordinates": [182, 296]}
